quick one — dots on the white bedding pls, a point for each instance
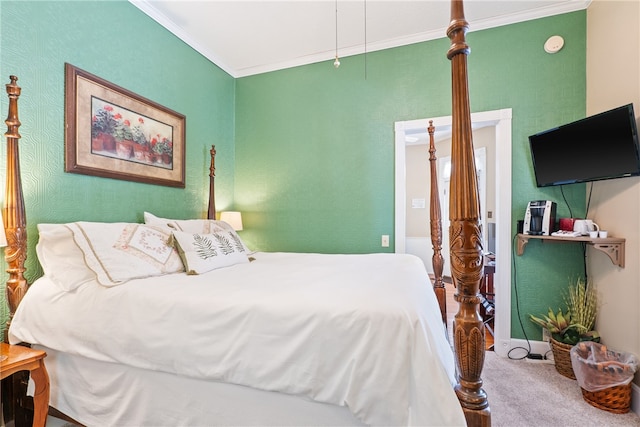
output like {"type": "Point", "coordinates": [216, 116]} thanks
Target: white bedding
{"type": "Point", "coordinates": [98, 393]}
{"type": "Point", "coordinates": [362, 331]}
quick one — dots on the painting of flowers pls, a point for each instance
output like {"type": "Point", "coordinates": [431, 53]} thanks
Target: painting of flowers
{"type": "Point", "coordinates": [111, 132]}
{"type": "Point", "coordinates": [124, 134]}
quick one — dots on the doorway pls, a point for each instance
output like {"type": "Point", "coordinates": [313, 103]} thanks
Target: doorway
{"type": "Point", "coordinates": [499, 124]}
{"type": "Point", "coordinates": [444, 178]}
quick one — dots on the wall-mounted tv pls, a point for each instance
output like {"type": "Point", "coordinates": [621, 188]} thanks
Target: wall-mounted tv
{"type": "Point", "coordinates": [602, 146]}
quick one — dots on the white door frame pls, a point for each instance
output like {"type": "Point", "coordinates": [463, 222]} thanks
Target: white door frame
{"type": "Point", "coordinates": [501, 120]}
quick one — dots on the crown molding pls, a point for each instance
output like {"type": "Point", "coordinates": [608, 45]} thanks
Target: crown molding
{"type": "Point", "coordinates": [507, 19]}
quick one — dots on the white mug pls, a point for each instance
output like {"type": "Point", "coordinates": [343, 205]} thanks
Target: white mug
{"type": "Point", "coordinates": [584, 226]}
{"type": "Point", "coordinates": [594, 234]}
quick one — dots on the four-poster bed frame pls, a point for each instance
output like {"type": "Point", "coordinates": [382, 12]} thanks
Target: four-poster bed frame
{"type": "Point", "coordinates": [13, 212]}
{"type": "Point", "coordinates": [465, 235]}
{"type": "Point", "coordinates": [465, 232]}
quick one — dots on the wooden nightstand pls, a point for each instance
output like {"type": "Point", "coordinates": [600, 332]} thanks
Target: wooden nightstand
{"type": "Point", "coordinates": [17, 358]}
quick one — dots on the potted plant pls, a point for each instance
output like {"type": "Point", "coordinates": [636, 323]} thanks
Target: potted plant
{"type": "Point", "coordinates": [141, 147]}
{"type": "Point", "coordinates": [163, 148]}
{"type": "Point", "coordinates": [103, 124]}
{"type": "Point", "coordinates": [124, 138]}
{"type": "Point", "coordinates": [573, 324]}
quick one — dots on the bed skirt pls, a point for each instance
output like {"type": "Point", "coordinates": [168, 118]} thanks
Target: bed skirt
{"type": "Point", "coordinates": [101, 393]}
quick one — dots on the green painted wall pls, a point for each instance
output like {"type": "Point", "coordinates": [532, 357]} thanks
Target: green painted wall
{"type": "Point", "coordinates": [313, 163]}
{"type": "Point", "coordinates": [119, 43]}
{"type": "Point", "coordinates": [315, 145]}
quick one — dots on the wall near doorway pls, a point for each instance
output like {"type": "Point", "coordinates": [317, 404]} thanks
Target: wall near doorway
{"type": "Point", "coordinates": [418, 184]}
{"type": "Point", "coordinates": [499, 123]}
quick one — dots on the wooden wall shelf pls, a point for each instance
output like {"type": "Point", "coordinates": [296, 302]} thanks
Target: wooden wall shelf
{"type": "Point", "coordinates": [612, 246]}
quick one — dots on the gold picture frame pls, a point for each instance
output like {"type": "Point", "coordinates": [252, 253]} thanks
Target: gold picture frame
{"type": "Point", "coordinates": [112, 132]}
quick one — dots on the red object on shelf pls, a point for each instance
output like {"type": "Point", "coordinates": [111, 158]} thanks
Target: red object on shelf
{"type": "Point", "coordinates": [566, 224]}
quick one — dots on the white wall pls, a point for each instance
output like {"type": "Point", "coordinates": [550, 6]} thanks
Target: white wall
{"type": "Point", "coordinates": [419, 179]}
{"type": "Point", "coordinates": [613, 79]}
{"type": "Point", "coordinates": [418, 186]}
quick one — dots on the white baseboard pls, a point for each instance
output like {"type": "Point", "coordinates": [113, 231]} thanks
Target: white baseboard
{"type": "Point", "coordinates": [518, 349]}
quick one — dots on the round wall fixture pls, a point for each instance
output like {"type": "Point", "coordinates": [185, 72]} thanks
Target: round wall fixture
{"type": "Point", "coordinates": [553, 44]}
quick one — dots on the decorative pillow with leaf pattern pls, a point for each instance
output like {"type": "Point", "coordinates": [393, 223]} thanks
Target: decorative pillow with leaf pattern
{"type": "Point", "coordinates": [198, 226]}
{"type": "Point", "coordinates": [205, 252]}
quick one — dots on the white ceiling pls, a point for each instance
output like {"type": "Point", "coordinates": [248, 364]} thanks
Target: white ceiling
{"type": "Point", "coordinates": [246, 37]}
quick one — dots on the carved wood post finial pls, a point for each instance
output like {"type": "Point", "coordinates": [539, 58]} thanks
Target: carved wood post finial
{"type": "Point", "coordinates": [211, 211]}
{"type": "Point", "coordinates": [435, 222]}
{"type": "Point", "coordinates": [465, 234]}
{"type": "Point", "coordinates": [13, 212]}
{"type": "Point", "coordinates": [13, 90]}
{"type": "Point", "coordinates": [212, 168]}
{"type": "Point", "coordinates": [457, 30]}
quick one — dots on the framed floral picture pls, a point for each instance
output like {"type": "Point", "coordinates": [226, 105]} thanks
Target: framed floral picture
{"type": "Point", "coordinates": [111, 132]}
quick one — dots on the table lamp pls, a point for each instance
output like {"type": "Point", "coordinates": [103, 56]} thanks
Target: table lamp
{"type": "Point", "coordinates": [234, 219]}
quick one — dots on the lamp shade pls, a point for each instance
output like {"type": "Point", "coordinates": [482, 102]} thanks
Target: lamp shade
{"type": "Point", "coordinates": [234, 219]}
{"type": "Point", "coordinates": [3, 236]}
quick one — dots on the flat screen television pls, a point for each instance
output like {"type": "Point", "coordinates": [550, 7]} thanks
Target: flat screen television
{"type": "Point", "coordinates": [602, 146]}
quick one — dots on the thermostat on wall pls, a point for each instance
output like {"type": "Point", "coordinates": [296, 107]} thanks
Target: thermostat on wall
{"type": "Point", "coordinates": [553, 44]}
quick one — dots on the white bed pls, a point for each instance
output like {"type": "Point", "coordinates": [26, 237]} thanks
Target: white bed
{"type": "Point", "coordinates": [362, 332]}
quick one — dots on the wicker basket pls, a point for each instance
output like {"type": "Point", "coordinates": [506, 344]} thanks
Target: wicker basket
{"type": "Point", "coordinates": [562, 358]}
{"type": "Point", "coordinates": [613, 399]}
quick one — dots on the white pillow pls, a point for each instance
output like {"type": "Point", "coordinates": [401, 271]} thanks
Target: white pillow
{"type": "Point", "coordinates": [197, 226]}
{"type": "Point", "coordinates": [113, 253]}
{"type": "Point", "coordinates": [205, 252]}
{"type": "Point", "coordinates": [60, 257]}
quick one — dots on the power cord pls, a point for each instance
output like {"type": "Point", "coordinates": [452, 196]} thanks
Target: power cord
{"type": "Point", "coordinates": [584, 245]}
{"type": "Point", "coordinates": [586, 215]}
{"type": "Point", "coordinates": [565, 201]}
{"type": "Point", "coordinates": [529, 354]}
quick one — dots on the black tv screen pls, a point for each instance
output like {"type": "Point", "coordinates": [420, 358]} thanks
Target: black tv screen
{"type": "Point", "coordinates": [602, 146]}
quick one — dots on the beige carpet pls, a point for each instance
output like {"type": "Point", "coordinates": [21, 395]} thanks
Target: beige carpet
{"type": "Point", "coordinates": [524, 393]}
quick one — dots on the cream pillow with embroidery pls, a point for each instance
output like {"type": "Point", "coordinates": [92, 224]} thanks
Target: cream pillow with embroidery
{"type": "Point", "coordinates": [119, 252]}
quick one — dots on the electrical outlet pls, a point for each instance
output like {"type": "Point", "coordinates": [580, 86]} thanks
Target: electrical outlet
{"type": "Point", "coordinates": [385, 240]}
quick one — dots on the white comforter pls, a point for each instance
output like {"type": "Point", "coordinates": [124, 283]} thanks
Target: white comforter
{"type": "Point", "coordinates": [362, 331]}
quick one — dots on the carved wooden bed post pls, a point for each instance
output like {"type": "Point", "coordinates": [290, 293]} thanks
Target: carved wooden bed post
{"type": "Point", "coordinates": [211, 212]}
{"type": "Point", "coordinates": [13, 212]}
{"type": "Point", "coordinates": [435, 221]}
{"type": "Point", "coordinates": [465, 234]}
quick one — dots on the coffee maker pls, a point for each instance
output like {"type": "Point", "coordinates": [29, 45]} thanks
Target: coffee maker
{"type": "Point", "coordinates": [540, 218]}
